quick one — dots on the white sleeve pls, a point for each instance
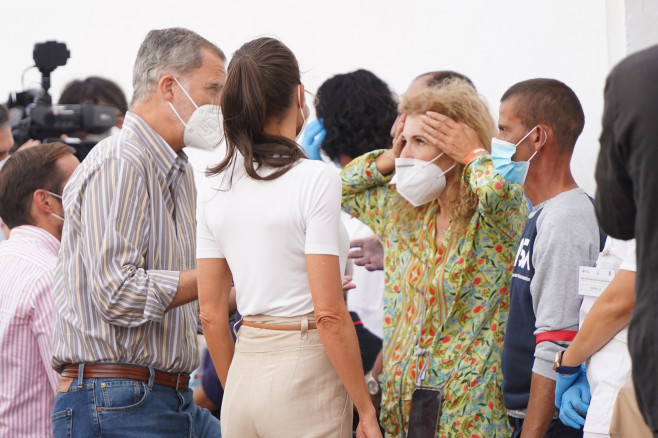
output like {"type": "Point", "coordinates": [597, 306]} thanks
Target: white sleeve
{"type": "Point", "coordinates": [323, 213]}
{"type": "Point", "coordinates": [206, 244]}
{"type": "Point", "coordinates": [628, 263]}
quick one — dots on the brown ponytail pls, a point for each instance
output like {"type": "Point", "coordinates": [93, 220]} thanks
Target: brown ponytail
{"type": "Point", "coordinates": [260, 85]}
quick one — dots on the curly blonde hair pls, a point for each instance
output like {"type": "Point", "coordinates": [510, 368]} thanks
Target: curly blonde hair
{"type": "Point", "coordinates": [459, 100]}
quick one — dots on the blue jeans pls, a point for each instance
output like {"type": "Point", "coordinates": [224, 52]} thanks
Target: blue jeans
{"type": "Point", "coordinates": [116, 407]}
{"type": "Point", "coordinates": [557, 429]}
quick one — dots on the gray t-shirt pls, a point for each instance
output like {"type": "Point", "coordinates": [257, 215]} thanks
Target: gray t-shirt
{"type": "Point", "coordinates": [567, 236]}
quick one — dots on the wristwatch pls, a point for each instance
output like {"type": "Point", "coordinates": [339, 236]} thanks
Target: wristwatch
{"type": "Point", "coordinates": [372, 384]}
{"type": "Point", "coordinates": [559, 368]}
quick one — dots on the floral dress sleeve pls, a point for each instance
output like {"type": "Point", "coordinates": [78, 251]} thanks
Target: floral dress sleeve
{"type": "Point", "coordinates": [501, 202]}
{"type": "Point", "coordinates": [366, 192]}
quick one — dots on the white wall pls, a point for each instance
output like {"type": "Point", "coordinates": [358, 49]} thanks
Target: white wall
{"type": "Point", "coordinates": [495, 43]}
{"type": "Point", "coordinates": [641, 24]}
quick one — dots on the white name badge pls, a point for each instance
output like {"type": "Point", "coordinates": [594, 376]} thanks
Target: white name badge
{"type": "Point", "coordinates": [593, 281]}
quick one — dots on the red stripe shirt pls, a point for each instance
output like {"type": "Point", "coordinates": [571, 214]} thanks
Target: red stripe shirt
{"type": "Point", "coordinates": [27, 380]}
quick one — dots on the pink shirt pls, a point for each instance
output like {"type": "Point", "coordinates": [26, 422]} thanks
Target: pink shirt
{"type": "Point", "coordinates": [27, 381]}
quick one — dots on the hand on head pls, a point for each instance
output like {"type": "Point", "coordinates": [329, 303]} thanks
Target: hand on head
{"type": "Point", "coordinates": [313, 137]}
{"type": "Point", "coordinates": [397, 140]}
{"type": "Point", "coordinates": [456, 139]}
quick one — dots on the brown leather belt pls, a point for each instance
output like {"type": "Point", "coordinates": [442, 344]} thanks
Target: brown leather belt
{"type": "Point", "coordinates": [311, 326]}
{"type": "Point", "coordinates": [133, 372]}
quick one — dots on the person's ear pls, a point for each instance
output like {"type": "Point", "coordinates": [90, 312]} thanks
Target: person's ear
{"type": "Point", "coordinates": [166, 87]}
{"type": "Point", "coordinates": [540, 136]}
{"type": "Point", "coordinates": [43, 201]}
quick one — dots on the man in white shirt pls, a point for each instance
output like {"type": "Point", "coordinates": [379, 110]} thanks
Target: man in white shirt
{"type": "Point", "coordinates": [30, 202]}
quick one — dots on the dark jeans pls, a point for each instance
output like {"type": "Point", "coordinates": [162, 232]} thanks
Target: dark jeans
{"type": "Point", "coordinates": [557, 429]}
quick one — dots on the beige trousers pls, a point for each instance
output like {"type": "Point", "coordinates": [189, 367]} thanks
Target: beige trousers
{"type": "Point", "coordinates": [282, 384]}
{"type": "Point", "coordinates": [627, 421]}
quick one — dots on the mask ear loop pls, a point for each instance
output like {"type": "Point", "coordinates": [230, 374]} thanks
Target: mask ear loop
{"type": "Point", "coordinates": [299, 101]}
{"type": "Point", "coordinates": [177, 115]}
{"type": "Point", "coordinates": [542, 145]}
{"type": "Point", "coordinates": [55, 195]}
{"type": "Point", "coordinates": [434, 159]}
{"type": "Point", "coordinates": [524, 137]}
{"type": "Point", "coordinates": [186, 93]}
{"type": "Point", "coordinates": [188, 96]}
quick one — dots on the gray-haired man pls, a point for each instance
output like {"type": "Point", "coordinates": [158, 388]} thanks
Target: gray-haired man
{"type": "Point", "coordinates": [125, 285]}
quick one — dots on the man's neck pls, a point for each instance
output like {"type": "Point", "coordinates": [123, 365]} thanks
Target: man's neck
{"type": "Point", "coordinates": [548, 187]}
{"type": "Point", "coordinates": [549, 175]}
{"type": "Point", "coordinates": [154, 117]}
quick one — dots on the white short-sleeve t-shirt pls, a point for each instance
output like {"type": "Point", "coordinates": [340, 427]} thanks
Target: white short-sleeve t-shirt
{"type": "Point", "coordinates": [264, 229]}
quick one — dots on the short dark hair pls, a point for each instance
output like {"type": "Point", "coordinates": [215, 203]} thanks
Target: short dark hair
{"type": "Point", "coordinates": [437, 78]}
{"type": "Point", "coordinates": [4, 117]}
{"type": "Point", "coordinates": [260, 85]}
{"type": "Point", "coordinates": [94, 90]}
{"type": "Point", "coordinates": [25, 172]}
{"type": "Point", "coordinates": [552, 103]}
{"type": "Point", "coordinates": [358, 110]}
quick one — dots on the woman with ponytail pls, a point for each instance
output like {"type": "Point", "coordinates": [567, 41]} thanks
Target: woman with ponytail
{"type": "Point", "coordinates": [269, 223]}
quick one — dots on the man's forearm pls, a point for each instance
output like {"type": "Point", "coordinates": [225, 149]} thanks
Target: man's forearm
{"type": "Point", "coordinates": [187, 289]}
{"type": "Point", "coordinates": [541, 407]}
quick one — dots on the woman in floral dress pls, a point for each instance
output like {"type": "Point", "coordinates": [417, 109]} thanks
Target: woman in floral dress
{"type": "Point", "coordinates": [450, 227]}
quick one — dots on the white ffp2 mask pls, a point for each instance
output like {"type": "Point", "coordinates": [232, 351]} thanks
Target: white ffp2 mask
{"type": "Point", "coordinates": [205, 129]}
{"type": "Point", "coordinates": [418, 181]}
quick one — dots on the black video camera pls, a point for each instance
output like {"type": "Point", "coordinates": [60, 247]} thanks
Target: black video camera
{"type": "Point", "coordinates": [40, 120]}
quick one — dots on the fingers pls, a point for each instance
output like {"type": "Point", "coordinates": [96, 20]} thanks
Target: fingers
{"type": "Point", "coordinates": [436, 121]}
{"type": "Point", "coordinates": [579, 405]}
{"type": "Point", "coordinates": [313, 137]}
{"type": "Point", "coordinates": [456, 139]}
{"type": "Point", "coordinates": [319, 138]}
{"type": "Point", "coordinates": [315, 127]}
{"type": "Point", "coordinates": [570, 417]}
{"type": "Point", "coordinates": [349, 286]}
{"type": "Point", "coordinates": [355, 254]}
{"type": "Point", "coordinates": [440, 129]}
{"type": "Point", "coordinates": [372, 267]}
{"type": "Point", "coordinates": [357, 243]}
{"type": "Point", "coordinates": [397, 140]}
{"type": "Point", "coordinates": [439, 122]}
{"type": "Point", "coordinates": [563, 383]}
{"type": "Point", "coordinates": [347, 283]}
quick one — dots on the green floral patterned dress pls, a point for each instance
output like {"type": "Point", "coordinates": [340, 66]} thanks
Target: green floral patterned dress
{"type": "Point", "coordinates": [455, 295]}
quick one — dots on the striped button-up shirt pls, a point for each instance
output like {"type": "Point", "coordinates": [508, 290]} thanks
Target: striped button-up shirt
{"type": "Point", "coordinates": [27, 382]}
{"type": "Point", "coordinates": [129, 231]}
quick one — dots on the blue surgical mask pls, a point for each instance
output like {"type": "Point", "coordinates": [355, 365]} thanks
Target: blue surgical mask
{"type": "Point", "coordinates": [501, 156]}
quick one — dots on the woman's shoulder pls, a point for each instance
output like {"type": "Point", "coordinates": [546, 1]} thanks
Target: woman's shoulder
{"type": "Point", "coordinates": [315, 170]}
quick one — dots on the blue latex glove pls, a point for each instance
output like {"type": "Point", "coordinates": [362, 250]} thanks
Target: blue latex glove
{"type": "Point", "coordinates": [575, 403]}
{"type": "Point", "coordinates": [314, 134]}
{"type": "Point", "coordinates": [565, 382]}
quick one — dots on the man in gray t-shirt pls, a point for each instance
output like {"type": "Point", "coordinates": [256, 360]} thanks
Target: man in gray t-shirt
{"type": "Point", "coordinates": [542, 119]}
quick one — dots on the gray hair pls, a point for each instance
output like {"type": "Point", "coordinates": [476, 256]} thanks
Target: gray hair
{"type": "Point", "coordinates": [167, 51]}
